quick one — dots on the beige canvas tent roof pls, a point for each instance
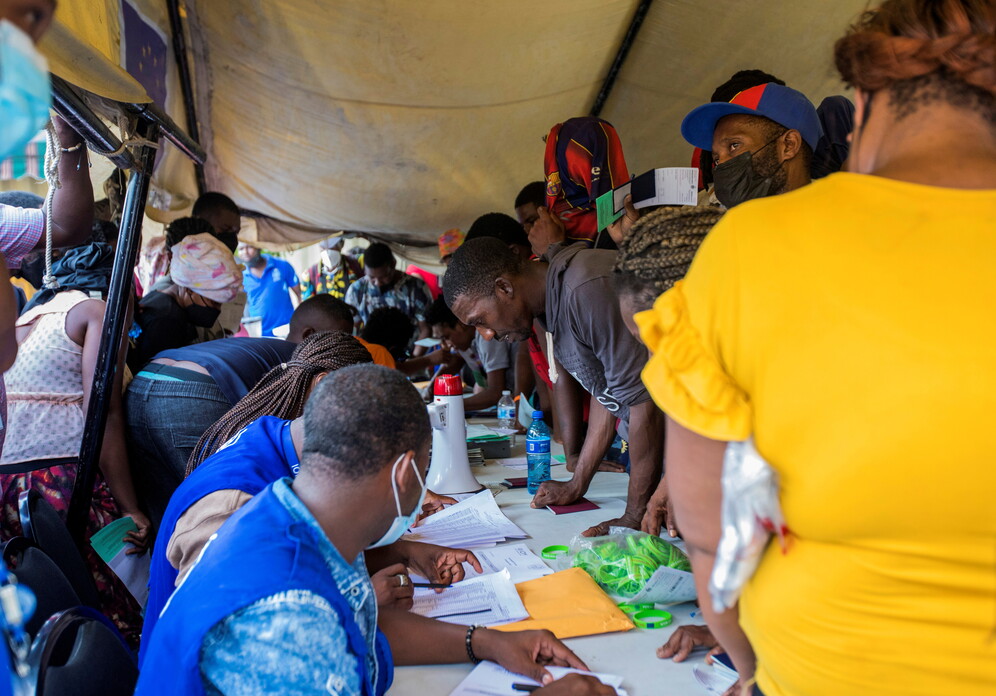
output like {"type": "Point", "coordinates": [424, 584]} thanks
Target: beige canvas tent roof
{"type": "Point", "coordinates": [403, 119]}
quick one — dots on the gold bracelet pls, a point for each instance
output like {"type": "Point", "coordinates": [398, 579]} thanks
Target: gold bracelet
{"type": "Point", "coordinates": [74, 148]}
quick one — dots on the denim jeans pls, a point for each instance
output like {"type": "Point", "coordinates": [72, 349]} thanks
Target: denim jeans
{"type": "Point", "coordinates": [165, 421]}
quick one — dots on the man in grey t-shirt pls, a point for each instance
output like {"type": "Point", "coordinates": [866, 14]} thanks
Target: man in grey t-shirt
{"type": "Point", "coordinates": [491, 289]}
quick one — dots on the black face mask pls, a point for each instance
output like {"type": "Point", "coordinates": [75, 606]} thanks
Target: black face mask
{"type": "Point", "coordinates": [737, 181]}
{"type": "Point", "coordinates": [202, 316]}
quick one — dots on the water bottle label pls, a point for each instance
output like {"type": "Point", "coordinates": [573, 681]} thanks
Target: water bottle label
{"type": "Point", "coordinates": [506, 412]}
{"type": "Point", "coordinates": [538, 446]}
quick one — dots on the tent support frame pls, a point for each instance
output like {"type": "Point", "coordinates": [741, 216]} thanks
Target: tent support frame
{"type": "Point", "coordinates": [627, 43]}
{"type": "Point", "coordinates": [186, 83]}
{"type": "Point", "coordinates": [116, 316]}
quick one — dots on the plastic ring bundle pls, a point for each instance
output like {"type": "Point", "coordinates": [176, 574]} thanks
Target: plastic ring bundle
{"type": "Point", "coordinates": [553, 552]}
{"type": "Point", "coordinates": [652, 618]}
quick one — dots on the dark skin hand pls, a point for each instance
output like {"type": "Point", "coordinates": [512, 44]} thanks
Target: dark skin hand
{"type": "Point", "coordinates": [646, 438]}
{"type": "Point", "coordinates": [576, 685]}
{"type": "Point", "coordinates": [660, 512]}
{"type": "Point", "coordinates": [389, 590]}
{"type": "Point", "coordinates": [686, 640]}
{"type": "Point", "coordinates": [435, 563]}
{"type": "Point", "coordinates": [547, 230]}
{"type": "Point", "coordinates": [523, 652]}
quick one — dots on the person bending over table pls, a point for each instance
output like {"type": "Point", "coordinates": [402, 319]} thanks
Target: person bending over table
{"type": "Point", "coordinates": [280, 600]}
{"type": "Point", "coordinates": [493, 290]}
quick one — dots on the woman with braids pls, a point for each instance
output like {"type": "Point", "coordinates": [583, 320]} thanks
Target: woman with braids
{"type": "Point", "coordinates": [256, 443]}
{"type": "Point", "coordinates": [847, 327]}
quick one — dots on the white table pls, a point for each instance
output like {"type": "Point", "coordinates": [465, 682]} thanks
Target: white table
{"type": "Point", "coordinates": [631, 654]}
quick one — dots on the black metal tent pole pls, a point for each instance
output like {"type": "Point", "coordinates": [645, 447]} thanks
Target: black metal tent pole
{"type": "Point", "coordinates": [70, 106]}
{"type": "Point", "coordinates": [116, 316]}
{"type": "Point", "coordinates": [627, 43]}
{"type": "Point", "coordinates": [186, 83]}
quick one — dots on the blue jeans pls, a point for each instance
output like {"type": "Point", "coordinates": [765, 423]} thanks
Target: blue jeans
{"type": "Point", "coordinates": [165, 421]}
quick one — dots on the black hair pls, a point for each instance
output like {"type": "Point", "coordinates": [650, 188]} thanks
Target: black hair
{"type": "Point", "coordinates": [182, 228]}
{"type": "Point", "coordinates": [212, 202]}
{"type": "Point", "coordinates": [475, 267]}
{"type": "Point", "coordinates": [439, 314]}
{"type": "Point", "coordinates": [355, 438]}
{"type": "Point", "coordinates": [741, 80]}
{"type": "Point", "coordinates": [104, 231]}
{"type": "Point", "coordinates": [323, 308]}
{"type": "Point", "coordinates": [533, 192]}
{"type": "Point", "coordinates": [21, 199]}
{"type": "Point", "coordinates": [500, 226]}
{"type": "Point", "coordinates": [378, 255]}
{"type": "Point", "coordinates": [391, 328]}
{"type": "Point", "coordinates": [738, 82]}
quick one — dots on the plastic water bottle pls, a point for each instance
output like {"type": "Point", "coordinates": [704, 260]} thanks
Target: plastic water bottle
{"type": "Point", "coordinates": [537, 452]}
{"type": "Point", "coordinates": [506, 411]}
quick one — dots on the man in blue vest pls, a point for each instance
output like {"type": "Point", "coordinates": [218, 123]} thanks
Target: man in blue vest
{"type": "Point", "coordinates": [281, 602]}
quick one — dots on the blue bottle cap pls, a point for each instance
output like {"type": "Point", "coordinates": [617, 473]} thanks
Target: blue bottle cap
{"type": "Point", "coordinates": [537, 415]}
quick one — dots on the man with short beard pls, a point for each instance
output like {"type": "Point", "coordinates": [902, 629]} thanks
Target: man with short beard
{"type": "Point", "coordinates": [762, 141]}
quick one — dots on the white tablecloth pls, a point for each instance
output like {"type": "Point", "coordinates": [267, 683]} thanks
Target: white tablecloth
{"type": "Point", "coordinates": [631, 654]}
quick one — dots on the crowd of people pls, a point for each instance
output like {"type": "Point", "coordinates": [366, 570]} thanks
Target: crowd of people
{"type": "Point", "coordinates": [265, 436]}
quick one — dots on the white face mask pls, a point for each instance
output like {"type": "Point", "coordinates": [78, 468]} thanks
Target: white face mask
{"type": "Point", "coordinates": [331, 258]}
{"type": "Point", "coordinates": [402, 522]}
{"type": "Point", "coordinates": [25, 89]}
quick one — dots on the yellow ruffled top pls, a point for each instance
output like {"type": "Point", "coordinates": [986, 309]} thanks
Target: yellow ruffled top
{"type": "Point", "coordinates": [849, 327]}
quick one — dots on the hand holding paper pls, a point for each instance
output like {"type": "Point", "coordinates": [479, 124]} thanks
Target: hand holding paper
{"type": "Point", "coordinates": [440, 564]}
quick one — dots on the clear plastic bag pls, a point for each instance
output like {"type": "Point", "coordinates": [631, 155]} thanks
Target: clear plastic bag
{"type": "Point", "coordinates": [750, 514]}
{"type": "Point", "coordinates": [632, 566]}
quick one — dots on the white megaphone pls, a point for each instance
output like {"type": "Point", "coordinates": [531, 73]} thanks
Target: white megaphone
{"type": "Point", "coordinates": [449, 470]}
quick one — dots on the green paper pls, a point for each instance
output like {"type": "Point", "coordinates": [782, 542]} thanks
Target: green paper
{"type": "Point", "coordinates": [560, 459]}
{"type": "Point", "coordinates": [605, 209]}
{"type": "Point", "coordinates": [108, 541]}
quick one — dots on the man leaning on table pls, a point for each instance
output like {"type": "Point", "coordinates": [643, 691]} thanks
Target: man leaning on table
{"type": "Point", "coordinates": [280, 600]}
{"type": "Point", "coordinates": [571, 292]}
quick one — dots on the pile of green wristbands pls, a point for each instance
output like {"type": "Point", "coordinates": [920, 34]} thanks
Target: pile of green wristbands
{"type": "Point", "coordinates": [623, 564]}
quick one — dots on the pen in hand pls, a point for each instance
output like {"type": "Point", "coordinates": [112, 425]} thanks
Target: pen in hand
{"type": "Point", "coordinates": [528, 688]}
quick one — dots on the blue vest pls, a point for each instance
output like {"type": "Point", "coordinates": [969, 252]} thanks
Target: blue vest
{"type": "Point", "coordinates": [261, 551]}
{"type": "Point", "coordinates": [258, 455]}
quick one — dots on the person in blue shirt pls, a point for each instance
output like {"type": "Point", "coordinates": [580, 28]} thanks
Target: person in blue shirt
{"type": "Point", "coordinates": [281, 601]}
{"type": "Point", "coordinates": [269, 283]}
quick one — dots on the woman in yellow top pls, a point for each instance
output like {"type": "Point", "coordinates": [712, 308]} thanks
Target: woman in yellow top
{"type": "Point", "coordinates": [849, 327]}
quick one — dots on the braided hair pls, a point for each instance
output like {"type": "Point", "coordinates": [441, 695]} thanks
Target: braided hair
{"type": "Point", "coordinates": [658, 251]}
{"type": "Point", "coordinates": [283, 391]}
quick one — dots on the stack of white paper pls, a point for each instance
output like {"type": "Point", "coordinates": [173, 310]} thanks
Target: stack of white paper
{"type": "Point", "coordinates": [486, 600]}
{"type": "Point", "coordinates": [471, 523]}
{"type": "Point", "coordinates": [521, 563]}
{"type": "Point", "coordinates": [490, 679]}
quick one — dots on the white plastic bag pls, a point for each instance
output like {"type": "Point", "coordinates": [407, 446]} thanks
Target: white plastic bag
{"type": "Point", "coordinates": [750, 513]}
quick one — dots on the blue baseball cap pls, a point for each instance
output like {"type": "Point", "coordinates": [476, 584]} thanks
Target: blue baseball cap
{"type": "Point", "coordinates": [783, 105]}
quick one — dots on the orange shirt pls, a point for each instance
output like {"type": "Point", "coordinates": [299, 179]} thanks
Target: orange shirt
{"type": "Point", "coordinates": [380, 354]}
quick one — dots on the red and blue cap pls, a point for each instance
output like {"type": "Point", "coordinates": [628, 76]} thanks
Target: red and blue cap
{"type": "Point", "coordinates": [783, 105]}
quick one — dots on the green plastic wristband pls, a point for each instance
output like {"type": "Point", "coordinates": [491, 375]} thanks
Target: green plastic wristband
{"type": "Point", "coordinates": [628, 608]}
{"type": "Point", "coordinates": [552, 552]}
{"type": "Point", "coordinates": [652, 618]}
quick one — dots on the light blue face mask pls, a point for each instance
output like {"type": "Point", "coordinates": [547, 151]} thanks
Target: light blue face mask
{"type": "Point", "coordinates": [402, 522]}
{"type": "Point", "coordinates": [25, 90]}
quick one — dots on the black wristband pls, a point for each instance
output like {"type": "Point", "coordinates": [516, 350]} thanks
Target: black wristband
{"type": "Point", "coordinates": [470, 650]}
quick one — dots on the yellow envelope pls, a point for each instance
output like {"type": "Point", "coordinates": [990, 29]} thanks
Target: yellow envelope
{"type": "Point", "coordinates": [569, 604]}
